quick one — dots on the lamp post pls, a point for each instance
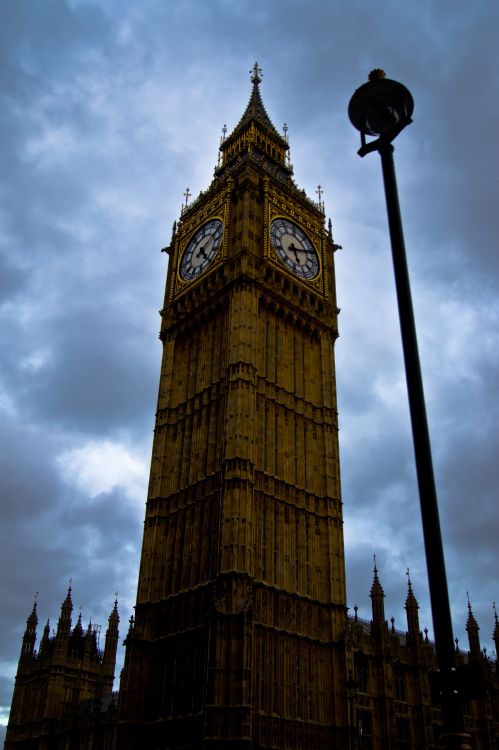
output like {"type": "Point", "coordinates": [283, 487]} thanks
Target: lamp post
{"type": "Point", "coordinates": [383, 108]}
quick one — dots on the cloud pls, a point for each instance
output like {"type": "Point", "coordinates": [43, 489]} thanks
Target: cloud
{"type": "Point", "coordinates": [109, 110]}
{"type": "Point", "coordinates": [99, 466]}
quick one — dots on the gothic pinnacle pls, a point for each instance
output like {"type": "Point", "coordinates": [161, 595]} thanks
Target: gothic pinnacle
{"type": "Point", "coordinates": [256, 74]}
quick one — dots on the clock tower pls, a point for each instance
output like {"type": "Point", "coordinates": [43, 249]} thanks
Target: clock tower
{"type": "Point", "coordinates": [241, 609]}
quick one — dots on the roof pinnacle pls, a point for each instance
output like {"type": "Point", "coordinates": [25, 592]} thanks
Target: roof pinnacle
{"type": "Point", "coordinates": [67, 605]}
{"type": "Point", "coordinates": [471, 623]}
{"type": "Point", "coordinates": [495, 634]}
{"type": "Point", "coordinates": [255, 111]}
{"type": "Point", "coordinates": [472, 629]}
{"type": "Point", "coordinates": [32, 620]}
{"type": "Point", "coordinates": [376, 588]}
{"type": "Point", "coordinates": [114, 616]}
{"type": "Point", "coordinates": [411, 599]}
{"type": "Point", "coordinates": [256, 74]}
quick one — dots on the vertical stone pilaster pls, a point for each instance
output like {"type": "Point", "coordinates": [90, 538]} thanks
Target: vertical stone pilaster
{"type": "Point", "coordinates": [228, 714]}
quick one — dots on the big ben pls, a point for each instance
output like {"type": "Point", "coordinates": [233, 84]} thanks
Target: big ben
{"type": "Point", "coordinates": [240, 613]}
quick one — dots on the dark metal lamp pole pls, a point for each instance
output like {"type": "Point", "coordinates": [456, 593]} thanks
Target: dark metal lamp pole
{"type": "Point", "coordinates": [383, 108]}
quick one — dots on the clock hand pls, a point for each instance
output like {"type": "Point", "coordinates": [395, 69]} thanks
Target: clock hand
{"type": "Point", "coordinates": [209, 245]}
{"type": "Point", "coordinates": [294, 249]}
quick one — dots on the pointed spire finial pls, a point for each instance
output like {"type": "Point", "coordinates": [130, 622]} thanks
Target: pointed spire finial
{"type": "Point", "coordinates": [472, 629]}
{"type": "Point", "coordinates": [376, 588]}
{"type": "Point", "coordinates": [78, 628]}
{"type": "Point", "coordinates": [32, 620]}
{"type": "Point", "coordinates": [256, 74]}
{"type": "Point", "coordinates": [35, 603]}
{"type": "Point", "coordinates": [378, 624]}
{"type": "Point", "coordinates": [495, 634]}
{"type": "Point", "coordinates": [114, 616]}
{"type": "Point", "coordinates": [67, 603]}
{"type": "Point", "coordinates": [411, 599]}
{"type": "Point", "coordinates": [46, 634]}
{"type": "Point", "coordinates": [255, 113]}
{"type": "Point", "coordinates": [319, 191]}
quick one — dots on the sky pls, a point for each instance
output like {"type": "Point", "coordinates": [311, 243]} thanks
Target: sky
{"type": "Point", "coordinates": [109, 110]}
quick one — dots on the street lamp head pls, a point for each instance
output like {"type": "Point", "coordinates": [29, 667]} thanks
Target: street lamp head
{"type": "Point", "coordinates": [381, 107]}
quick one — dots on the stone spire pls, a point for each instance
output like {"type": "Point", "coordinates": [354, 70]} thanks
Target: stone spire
{"type": "Point", "coordinates": [472, 630]}
{"type": "Point", "coordinates": [29, 638]}
{"type": "Point", "coordinates": [411, 608]}
{"type": "Point", "coordinates": [78, 628]}
{"type": "Point", "coordinates": [255, 109]}
{"type": "Point", "coordinates": [377, 599]}
{"type": "Point", "coordinates": [112, 635]}
{"type": "Point", "coordinates": [89, 642]}
{"type": "Point", "coordinates": [32, 620]}
{"type": "Point", "coordinates": [495, 635]}
{"type": "Point", "coordinates": [255, 134]}
{"type": "Point", "coordinates": [45, 642]}
{"type": "Point", "coordinates": [64, 624]}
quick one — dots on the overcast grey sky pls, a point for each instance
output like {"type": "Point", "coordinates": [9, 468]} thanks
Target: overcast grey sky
{"type": "Point", "coordinates": [109, 110]}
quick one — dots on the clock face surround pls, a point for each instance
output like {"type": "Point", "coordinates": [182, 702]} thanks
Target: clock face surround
{"type": "Point", "coordinates": [201, 249]}
{"type": "Point", "coordinates": [294, 248]}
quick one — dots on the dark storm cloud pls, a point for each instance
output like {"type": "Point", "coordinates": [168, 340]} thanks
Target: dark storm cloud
{"type": "Point", "coordinates": [89, 382]}
{"type": "Point", "coordinates": [63, 531]}
{"type": "Point", "coordinates": [108, 111]}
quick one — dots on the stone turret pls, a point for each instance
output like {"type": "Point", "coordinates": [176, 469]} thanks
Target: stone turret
{"type": "Point", "coordinates": [411, 608]}
{"type": "Point", "coordinates": [378, 605]}
{"type": "Point", "coordinates": [64, 625]}
{"type": "Point", "coordinates": [112, 635]}
{"type": "Point", "coordinates": [473, 636]}
{"type": "Point", "coordinates": [29, 638]}
{"type": "Point", "coordinates": [495, 636]}
{"type": "Point", "coordinates": [45, 642]}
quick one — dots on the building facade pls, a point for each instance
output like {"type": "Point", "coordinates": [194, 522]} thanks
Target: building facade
{"type": "Point", "coordinates": [242, 577]}
{"type": "Point", "coordinates": [241, 636]}
{"type": "Point", "coordinates": [63, 695]}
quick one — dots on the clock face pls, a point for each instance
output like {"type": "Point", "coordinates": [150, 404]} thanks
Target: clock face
{"type": "Point", "coordinates": [294, 248]}
{"type": "Point", "coordinates": [201, 250]}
